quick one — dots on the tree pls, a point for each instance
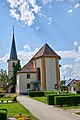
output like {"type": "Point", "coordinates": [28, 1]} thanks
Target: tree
{"type": "Point", "coordinates": [4, 77]}
{"type": "Point", "coordinates": [17, 67]}
{"type": "Point", "coordinates": [62, 85]}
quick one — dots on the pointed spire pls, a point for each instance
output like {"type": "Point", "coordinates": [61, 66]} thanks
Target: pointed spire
{"type": "Point", "coordinates": [13, 54]}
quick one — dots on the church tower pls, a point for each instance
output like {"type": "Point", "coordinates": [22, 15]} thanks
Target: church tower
{"type": "Point", "coordinates": [13, 58]}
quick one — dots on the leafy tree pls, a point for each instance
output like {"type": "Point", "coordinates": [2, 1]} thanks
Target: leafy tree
{"type": "Point", "coordinates": [62, 85]}
{"type": "Point", "coordinates": [17, 67]}
{"type": "Point", "coordinates": [4, 77]}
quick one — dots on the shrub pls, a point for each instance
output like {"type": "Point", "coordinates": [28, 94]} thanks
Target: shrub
{"type": "Point", "coordinates": [78, 92]}
{"type": "Point", "coordinates": [36, 93]}
{"type": "Point", "coordinates": [2, 94]}
{"type": "Point", "coordinates": [50, 98]}
{"type": "Point", "coordinates": [3, 114]}
{"type": "Point", "coordinates": [2, 91]}
{"type": "Point", "coordinates": [67, 100]}
{"type": "Point", "coordinates": [14, 97]}
{"type": "Point", "coordinates": [50, 92]}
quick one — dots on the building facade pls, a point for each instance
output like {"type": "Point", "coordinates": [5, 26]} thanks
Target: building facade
{"type": "Point", "coordinates": [42, 72]}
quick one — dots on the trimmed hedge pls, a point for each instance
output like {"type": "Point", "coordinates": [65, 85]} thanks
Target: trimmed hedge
{"type": "Point", "coordinates": [78, 92]}
{"type": "Point", "coordinates": [50, 98]}
{"type": "Point", "coordinates": [3, 114]}
{"type": "Point", "coordinates": [2, 94]}
{"type": "Point", "coordinates": [36, 93]}
{"type": "Point", "coordinates": [50, 92]}
{"type": "Point", "coordinates": [67, 100]}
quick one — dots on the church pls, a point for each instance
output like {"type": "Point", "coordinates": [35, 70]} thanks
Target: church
{"type": "Point", "coordinates": [42, 72]}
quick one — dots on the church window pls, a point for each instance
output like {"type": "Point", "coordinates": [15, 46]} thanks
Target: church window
{"type": "Point", "coordinates": [28, 85]}
{"type": "Point", "coordinates": [28, 76]}
{"type": "Point", "coordinates": [13, 64]}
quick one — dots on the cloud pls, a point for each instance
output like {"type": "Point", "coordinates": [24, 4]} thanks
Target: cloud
{"type": "Point", "coordinates": [27, 47]}
{"type": "Point", "coordinates": [24, 55]}
{"type": "Point", "coordinates": [75, 43]}
{"type": "Point", "coordinates": [37, 28]}
{"type": "Point", "coordinates": [49, 20]}
{"type": "Point", "coordinates": [69, 54]}
{"type": "Point", "coordinates": [70, 11]}
{"type": "Point", "coordinates": [77, 5]}
{"type": "Point", "coordinates": [5, 58]}
{"type": "Point", "coordinates": [46, 1]}
{"type": "Point", "coordinates": [24, 10]}
{"type": "Point", "coordinates": [69, 70]}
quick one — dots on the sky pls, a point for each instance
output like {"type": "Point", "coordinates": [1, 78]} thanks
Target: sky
{"type": "Point", "coordinates": [37, 22]}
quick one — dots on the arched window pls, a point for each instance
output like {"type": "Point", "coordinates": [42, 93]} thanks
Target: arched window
{"type": "Point", "coordinates": [13, 64]}
{"type": "Point", "coordinates": [38, 74]}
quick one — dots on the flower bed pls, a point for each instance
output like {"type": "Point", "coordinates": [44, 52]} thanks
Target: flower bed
{"type": "Point", "coordinates": [22, 117]}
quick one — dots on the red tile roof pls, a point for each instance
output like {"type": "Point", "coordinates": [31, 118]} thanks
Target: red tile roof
{"type": "Point", "coordinates": [29, 67]}
{"type": "Point", "coordinates": [46, 51]}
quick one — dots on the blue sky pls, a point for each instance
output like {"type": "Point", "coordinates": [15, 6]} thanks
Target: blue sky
{"type": "Point", "coordinates": [36, 22]}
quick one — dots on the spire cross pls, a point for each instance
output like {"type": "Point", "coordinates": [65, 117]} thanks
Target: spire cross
{"type": "Point", "coordinates": [13, 28]}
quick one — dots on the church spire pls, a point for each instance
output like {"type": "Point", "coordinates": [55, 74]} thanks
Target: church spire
{"type": "Point", "coordinates": [13, 54]}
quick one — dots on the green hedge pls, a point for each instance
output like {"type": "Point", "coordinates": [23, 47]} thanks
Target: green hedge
{"type": "Point", "coordinates": [78, 92]}
{"type": "Point", "coordinates": [36, 93]}
{"type": "Point", "coordinates": [3, 114]}
{"type": "Point", "coordinates": [2, 94]}
{"type": "Point", "coordinates": [50, 98]}
{"type": "Point", "coordinates": [67, 100]}
{"type": "Point", "coordinates": [50, 92]}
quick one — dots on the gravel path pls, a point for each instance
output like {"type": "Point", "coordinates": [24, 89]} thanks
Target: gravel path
{"type": "Point", "coordinates": [46, 112]}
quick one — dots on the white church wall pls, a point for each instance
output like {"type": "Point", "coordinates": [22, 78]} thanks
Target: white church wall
{"type": "Point", "coordinates": [50, 73]}
{"type": "Point", "coordinates": [22, 82]}
{"type": "Point", "coordinates": [38, 64]}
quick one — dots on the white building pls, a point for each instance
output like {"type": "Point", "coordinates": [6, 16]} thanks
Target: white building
{"type": "Point", "coordinates": [42, 72]}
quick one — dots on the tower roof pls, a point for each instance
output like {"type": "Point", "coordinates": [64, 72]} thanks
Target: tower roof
{"type": "Point", "coordinates": [13, 53]}
{"type": "Point", "coordinates": [46, 51]}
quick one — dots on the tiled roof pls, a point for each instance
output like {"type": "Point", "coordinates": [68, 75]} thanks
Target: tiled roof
{"type": "Point", "coordinates": [46, 51]}
{"type": "Point", "coordinates": [29, 67]}
{"type": "Point", "coordinates": [68, 82]}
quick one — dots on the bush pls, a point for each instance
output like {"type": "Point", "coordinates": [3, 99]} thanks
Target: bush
{"type": "Point", "coordinates": [14, 97]}
{"type": "Point", "coordinates": [2, 91]}
{"type": "Point", "coordinates": [78, 92]}
{"type": "Point", "coordinates": [2, 94]}
{"type": "Point", "coordinates": [67, 100]}
{"type": "Point", "coordinates": [3, 114]}
{"type": "Point", "coordinates": [36, 93]}
{"type": "Point", "coordinates": [50, 99]}
{"type": "Point", "coordinates": [50, 92]}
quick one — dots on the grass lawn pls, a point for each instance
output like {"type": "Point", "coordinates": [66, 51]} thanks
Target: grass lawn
{"type": "Point", "coordinates": [41, 99]}
{"type": "Point", "coordinates": [16, 108]}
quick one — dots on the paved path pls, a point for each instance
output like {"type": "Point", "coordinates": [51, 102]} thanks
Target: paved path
{"type": "Point", "coordinates": [46, 112]}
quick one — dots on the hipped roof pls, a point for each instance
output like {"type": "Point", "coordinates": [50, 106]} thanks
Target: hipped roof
{"type": "Point", "coordinates": [46, 51]}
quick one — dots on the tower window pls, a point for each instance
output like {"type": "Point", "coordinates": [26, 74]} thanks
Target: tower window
{"type": "Point", "coordinates": [13, 64]}
{"type": "Point", "coordinates": [28, 76]}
